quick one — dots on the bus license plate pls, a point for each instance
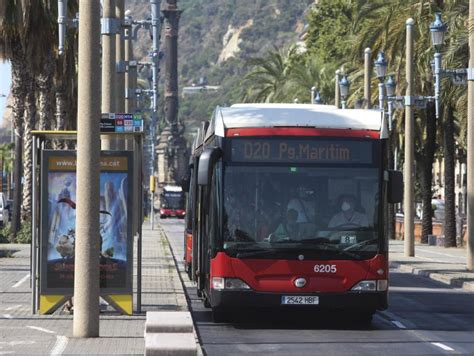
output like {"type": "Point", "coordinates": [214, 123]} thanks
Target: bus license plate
{"type": "Point", "coordinates": [300, 300]}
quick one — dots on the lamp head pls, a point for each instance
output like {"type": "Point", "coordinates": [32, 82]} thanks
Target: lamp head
{"type": "Point", "coordinates": [438, 29]}
{"type": "Point", "coordinates": [344, 85]}
{"type": "Point", "coordinates": [317, 99]}
{"type": "Point", "coordinates": [381, 65]}
{"type": "Point", "coordinates": [390, 85]}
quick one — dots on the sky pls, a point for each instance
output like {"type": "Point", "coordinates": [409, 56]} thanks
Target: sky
{"type": "Point", "coordinates": [5, 82]}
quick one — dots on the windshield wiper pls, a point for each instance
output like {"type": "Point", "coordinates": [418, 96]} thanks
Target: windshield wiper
{"type": "Point", "coordinates": [256, 253]}
{"type": "Point", "coordinates": [332, 248]}
{"type": "Point", "coordinates": [362, 243]}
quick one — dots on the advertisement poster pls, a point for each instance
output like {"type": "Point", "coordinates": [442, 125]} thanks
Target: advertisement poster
{"type": "Point", "coordinates": [58, 230]}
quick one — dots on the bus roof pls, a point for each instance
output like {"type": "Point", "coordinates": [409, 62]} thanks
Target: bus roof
{"type": "Point", "coordinates": [293, 115]}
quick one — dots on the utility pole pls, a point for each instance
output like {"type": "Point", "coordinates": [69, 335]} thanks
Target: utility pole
{"type": "Point", "coordinates": [131, 74]}
{"type": "Point", "coordinates": [120, 56]}
{"type": "Point", "coordinates": [337, 92]}
{"type": "Point", "coordinates": [86, 267]}
{"type": "Point", "coordinates": [408, 208]}
{"type": "Point", "coordinates": [367, 77]}
{"type": "Point", "coordinates": [109, 29]}
{"type": "Point", "coordinates": [470, 143]}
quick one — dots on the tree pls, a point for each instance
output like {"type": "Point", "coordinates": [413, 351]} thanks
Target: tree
{"type": "Point", "coordinates": [267, 80]}
{"type": "Point", "coordinates": [13, 16]}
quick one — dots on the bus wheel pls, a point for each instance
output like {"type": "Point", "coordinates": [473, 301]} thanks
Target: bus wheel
{"type": "Point", "coordinates": [219, 316]}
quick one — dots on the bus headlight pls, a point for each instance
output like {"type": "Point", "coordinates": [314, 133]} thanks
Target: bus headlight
{"type": "Point", "coordinates": [220, 283]}
{"type": "Point", "coordinates": [365, 286]}
{"type": "Point", "coordinates": [371, 286]}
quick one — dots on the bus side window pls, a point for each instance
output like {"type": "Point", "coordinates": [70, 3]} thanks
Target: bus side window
{"type": "Point", "coordinates": [213, 215]}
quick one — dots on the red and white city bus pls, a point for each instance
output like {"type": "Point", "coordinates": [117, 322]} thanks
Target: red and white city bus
{"type": "Point", "coordinates": [172, 202]}
{"type": "Point", "coordinates": [289, 207]}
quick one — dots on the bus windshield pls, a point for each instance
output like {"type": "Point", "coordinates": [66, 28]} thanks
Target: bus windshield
{"type": "Point", "coordinates": [332, 211]}
{"type": "Point", "coordinates": [172, 200]}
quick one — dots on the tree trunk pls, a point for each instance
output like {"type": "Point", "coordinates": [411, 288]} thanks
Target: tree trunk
{"type": "Point", "coordinates": [449, 166]}
{"type": "Point", "coordinates": [60, 115]}
{"type": "Point", "coordinates": [45, 97]}
{"type": "Point", "coordinates": [19, 90]}
{"type": "Point", "coordinates": [427, 173]}
{"type": "Point", "coordinates": [27, 153]}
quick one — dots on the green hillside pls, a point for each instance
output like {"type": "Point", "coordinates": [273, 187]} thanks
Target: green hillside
{"type": "Point", "coordinates": [210, 33]}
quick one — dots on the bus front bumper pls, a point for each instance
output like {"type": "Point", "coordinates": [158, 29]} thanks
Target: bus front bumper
{"type": "Point", "coordinates": [251, 299]}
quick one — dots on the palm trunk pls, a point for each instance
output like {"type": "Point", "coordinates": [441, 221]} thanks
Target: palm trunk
{"type": "Point", "coordinates": [27, 153]}
{"type": "Point", "coordinates": [45, 98]}
{"type": "Point", "coordinates": [19, 91]}
{"type": "Point", "coordinates": [427, 173]}
{"type": "Point", "coordinates": [449, 166]}
{"type": "Point", "coordinates": [60, 115]}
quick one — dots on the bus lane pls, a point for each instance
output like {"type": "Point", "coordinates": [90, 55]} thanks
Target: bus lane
{"type": "Point", "coordinates": [424, 317]}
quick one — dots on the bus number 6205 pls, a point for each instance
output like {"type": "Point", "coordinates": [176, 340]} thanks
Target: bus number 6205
{"type": "Point", "coordinates": [325, 269]}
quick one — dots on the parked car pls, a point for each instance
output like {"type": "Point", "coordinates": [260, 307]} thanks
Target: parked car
{"type": "Point", "coordinates": [438, 209]}
{"type": "Point", "coordinates": [4, 215]}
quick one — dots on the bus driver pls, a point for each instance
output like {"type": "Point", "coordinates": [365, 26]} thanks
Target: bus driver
{"type": "Point", "coordinates": [348, 216]}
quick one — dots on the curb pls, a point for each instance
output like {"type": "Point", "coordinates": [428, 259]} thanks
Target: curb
{"type": "Point", "coordinates": [196, 350]}
{"type": "Point", "coordinates": [438, 277]}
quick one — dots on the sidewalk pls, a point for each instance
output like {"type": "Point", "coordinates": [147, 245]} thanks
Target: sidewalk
{"type": "Point", "coordinates": [24, 333]}
{"type": "Point", "coordinates": [445, 265]}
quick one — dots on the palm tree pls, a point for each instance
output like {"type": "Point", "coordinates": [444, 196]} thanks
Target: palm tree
{"type": "Point", "coordinates": [269, 76]}
{"type": "Point", "coordinates": [13, 15]}
{"type": "Point", "coordinates": [385, 29]}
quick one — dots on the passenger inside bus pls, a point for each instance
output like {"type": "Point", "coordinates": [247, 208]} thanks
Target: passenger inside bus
{"type": "Point", "coordinates": [304, 204]}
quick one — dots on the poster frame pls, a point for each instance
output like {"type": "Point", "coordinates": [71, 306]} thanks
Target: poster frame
{"type": "Point", "coordinates": [43, 228]}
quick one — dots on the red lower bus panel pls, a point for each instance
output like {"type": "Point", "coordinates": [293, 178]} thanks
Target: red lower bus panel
{"type": "Point", "coordinates": [278, 276]}
{"type": "Point", "coordinates": [188, 257]}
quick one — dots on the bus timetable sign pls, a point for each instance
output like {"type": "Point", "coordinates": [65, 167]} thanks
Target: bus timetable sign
{"type": "Point", "coordinates": [302, 151]}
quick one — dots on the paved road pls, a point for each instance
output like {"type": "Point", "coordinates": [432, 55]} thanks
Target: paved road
{"type": "Point", "coordinates": [425, 317]}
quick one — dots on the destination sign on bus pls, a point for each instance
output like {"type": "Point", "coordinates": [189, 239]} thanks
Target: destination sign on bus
{"type": "Point", "coordinates": [304, 151]}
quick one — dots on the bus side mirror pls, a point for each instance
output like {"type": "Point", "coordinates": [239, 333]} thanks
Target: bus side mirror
{"type": "Point", "coordinates": [395, 187]}
{"type": "Point", "coordinates": [206, 162]}
{"type": "Point", "coordinates": [185, 181]}
{"type": "Point", "coordinates": [185, 184]}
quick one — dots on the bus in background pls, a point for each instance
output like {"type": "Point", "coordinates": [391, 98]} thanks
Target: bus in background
{"type": "Point", "coordinates": [172, 202]}
{"type": "Point", "coordinates": [289, 209]}
{"type": "Point", "coordinates": [188, 186]}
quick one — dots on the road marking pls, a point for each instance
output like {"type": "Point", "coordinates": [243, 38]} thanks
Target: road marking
{"type": "Point", "coordinates": [42, 329]}
{"type": "Point", "coordinates": [7, 316]}
{"type": "Point", "coordinates": [13, 307]}
{"type": "Point", "coordinates": [17, 284]}
{"type": "Point", "coordinates": [398, 324]}
{"type": "Point", "coordinates": [59, 346]}
{"type": "Point", "coordinates": [443, 346]}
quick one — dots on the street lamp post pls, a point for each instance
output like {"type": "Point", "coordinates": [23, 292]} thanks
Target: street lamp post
{"type": "Point", "coordinates": [337, 93]}
{"type": "Point", "coordinates": [367, 78]}
{"type": "Point", "coordinates": [470, 144]}
{"type": "Point", "coordinates": [459, 76]}
{"type": "Point", "coordinates": [408, 202]}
